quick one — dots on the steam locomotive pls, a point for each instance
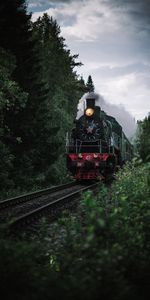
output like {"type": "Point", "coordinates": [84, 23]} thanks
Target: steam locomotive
{"type": "Point", "coordinates": [97, 144]}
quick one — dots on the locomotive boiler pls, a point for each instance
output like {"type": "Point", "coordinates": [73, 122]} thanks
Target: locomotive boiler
{"type": "Point", "coordinates": [97, 144]}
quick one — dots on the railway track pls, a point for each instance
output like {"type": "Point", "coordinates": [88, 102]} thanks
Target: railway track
{"type": "Point", "coordinates": [26, 197]}
{"type": "Point", "coordinates": [16, 213]}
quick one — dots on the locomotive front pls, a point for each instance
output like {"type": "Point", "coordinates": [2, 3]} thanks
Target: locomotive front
{"type": "Point", "coordinates": [88, 146]}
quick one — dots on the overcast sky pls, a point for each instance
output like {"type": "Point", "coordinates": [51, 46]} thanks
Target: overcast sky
{"type": "Point", "coordinates": [112, 38]}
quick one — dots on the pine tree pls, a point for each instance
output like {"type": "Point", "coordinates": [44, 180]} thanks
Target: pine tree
{"type": "Point", "coordinates": [57, 63]}
{"type": "Point", "coordinates": [89, 84]}
{"type": "Point", "coordinates": [143, 139]}
{"type": "Point", "coordinates": [63, 84]}
{"type": "Point", "coordinates": [39, 94]}
{"type": "Point", "coordinates": [12, 103]}
{"type": "Point", "coordinates": [16, 36]}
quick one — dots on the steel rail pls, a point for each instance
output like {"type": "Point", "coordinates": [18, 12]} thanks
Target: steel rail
{"type": "Point", "coordinates": [34, 214]}
{"type": "Point", "coordinates": [29, 196]}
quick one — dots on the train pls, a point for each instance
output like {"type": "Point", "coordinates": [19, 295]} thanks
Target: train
{"type": "Point", "coordinates": [96, 146]}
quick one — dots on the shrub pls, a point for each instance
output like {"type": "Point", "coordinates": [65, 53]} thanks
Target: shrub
{"type": "Point", "coordinates": [101, 251]}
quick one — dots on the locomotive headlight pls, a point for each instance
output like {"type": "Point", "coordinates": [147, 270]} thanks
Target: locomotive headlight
{"type": "Point", "coordinates": [89, 112]}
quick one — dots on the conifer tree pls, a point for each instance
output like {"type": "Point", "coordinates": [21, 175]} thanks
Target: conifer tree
{"type": "Point", "coordinates": [89, 84]}
{"type": "Point", "coordinates": [16, 36]}
{"type": "Point", "coordinates": [62, 82]}
{"type": "Point", "coordinates": [143, 138]}
{"type": "Point", "coordinates": [81, 85]}
{"type": "Point", "coordinates": [12, 103]}
{"type": "Point", "coordinates": [43, 91]}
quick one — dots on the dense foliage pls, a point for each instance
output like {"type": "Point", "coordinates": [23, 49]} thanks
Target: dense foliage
{"type": "Point", "coordinates": [143, 139]}
{"type": "Point", "coordinates": [102, 251]}
{"type": "Point", "coordinates": [39, 93]}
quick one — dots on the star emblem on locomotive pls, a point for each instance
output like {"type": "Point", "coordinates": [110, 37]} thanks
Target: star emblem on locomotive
{"type": "Point", "coordinates": [90, 128]}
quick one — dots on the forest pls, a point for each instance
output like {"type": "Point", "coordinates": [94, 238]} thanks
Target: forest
{"type": "Point", "coordinates": [102, 250]}
{"type": "Point", "coordinates": [39, 91]}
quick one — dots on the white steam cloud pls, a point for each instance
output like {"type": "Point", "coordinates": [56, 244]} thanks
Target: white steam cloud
{"type": "Point", "coordinates": [122, 116]}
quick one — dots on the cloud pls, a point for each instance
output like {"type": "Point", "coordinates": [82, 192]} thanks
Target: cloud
{"type": "Point", "coordinates": [130, 90]}
{"type": "Point", "coordinates": [112, 38]}
{"type": "Point", "coordinates": [91, 18]}
{"type": "Point", "coordinates": [96, 17]}
{"type": "Point", "coordinates": [116, 70]}
{"type": "Point", "coordinates": [42, 4]}
{"type": "Point", "coordinates": [124, 118]}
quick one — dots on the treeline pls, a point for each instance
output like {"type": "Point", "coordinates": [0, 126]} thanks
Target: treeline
{"type": "Point", "coordinates": [39, 91]}
{"type": "Point", "coordinates": [142, 143]}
